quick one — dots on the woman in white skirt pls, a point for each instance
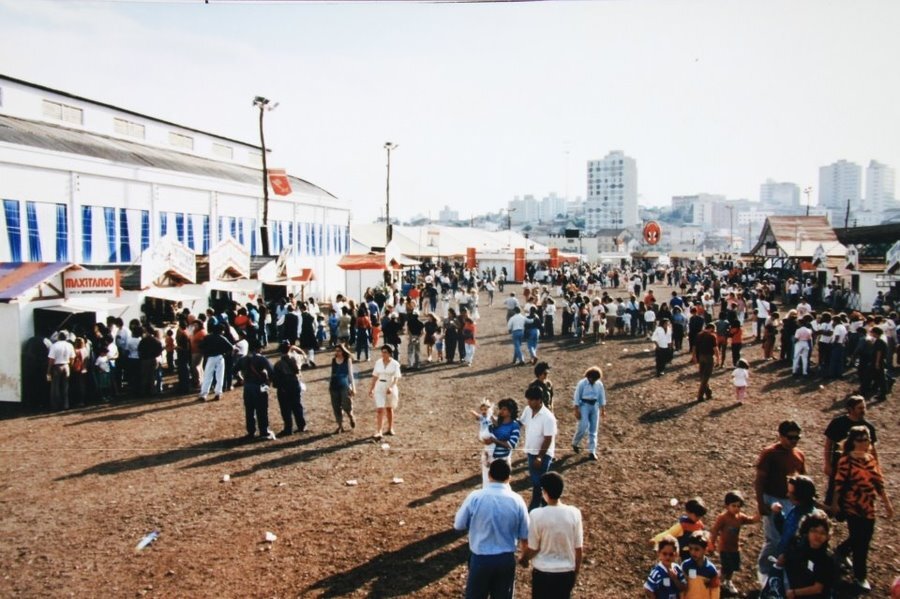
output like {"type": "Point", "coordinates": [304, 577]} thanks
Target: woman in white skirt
{"type": "Point", "coordinates": [384, 390]}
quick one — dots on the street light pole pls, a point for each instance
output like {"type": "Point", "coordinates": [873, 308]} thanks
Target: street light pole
{"type": "Point", "coordinates": [731, 237]}
{"type": "Point", "coordinates": [807, 190]}
{"type": "Point", "coordinates": [264, 106]}
{"type": "Point", "coordinates": [389, 234]}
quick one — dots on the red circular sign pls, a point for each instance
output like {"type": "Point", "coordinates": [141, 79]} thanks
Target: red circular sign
{"type": "Point", "coordinates": [652, 232]}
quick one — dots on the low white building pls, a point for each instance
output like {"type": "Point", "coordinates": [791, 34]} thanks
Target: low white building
{"type": "Point", "coordinates": [87, 182]}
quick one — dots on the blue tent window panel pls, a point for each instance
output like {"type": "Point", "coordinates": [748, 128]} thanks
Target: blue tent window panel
{"type": "Point", "coordinates": [206, 234]}
{"type": "Point", "coordinates": [319, 239]}
{"type": "Point", "coordinates": [291, 234]}
{"type": "Point", "coordinates": [163, 224]}
{"type": "Point", "coordinates": [109, 220]}
{"type": "Point", "coordinates": [124, 237]}
{"type": "Point", "coordinates": [62, 233]}
{"type": "Point", "coordinates": [145, 229]}
{"type": "Point", "coordinates": [346, 240]}
{"type": "Point", "coordinates": [34, 236]}
{"type": "Point", "coordinates": [240, 230]}
{"type": "Point", "coordinates": [86, 232]}
{"type": "Point", "coordinates": [190, 231]}
{"type": "Point", "coordinates": [232, 225]}
{"type": "Point", "coordinates": [252, 236]}
{"type": "Point", "coordinates": [13, 229]}
{"type": "Point", "coordinates": [219, 225]}
{"type": "Point", "coordinates": [179, 226]}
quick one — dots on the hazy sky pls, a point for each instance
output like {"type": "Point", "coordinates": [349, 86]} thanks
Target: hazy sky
{"type": "Point", "coordinates": [489, 101]}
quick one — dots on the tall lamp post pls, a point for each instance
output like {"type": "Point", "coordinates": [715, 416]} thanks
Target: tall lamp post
{"type": "Point", "coordinates": [509, 212]}
{"type": "Point", "coordinates": [387, 192]}
{"type": "Point", "coordinates": [807, 190]}
{"type": "Point", "coordinates": [264, 105]}
{"type": "Point", "coordinates": [731, 236]}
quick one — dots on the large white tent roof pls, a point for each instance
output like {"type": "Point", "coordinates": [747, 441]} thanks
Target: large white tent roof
{"type": "Point", "coordinates": [438, 240]}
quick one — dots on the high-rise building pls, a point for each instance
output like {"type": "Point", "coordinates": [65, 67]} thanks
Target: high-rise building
{"type": "Point", "coordinates": [447, 215]}
{"type": "Point", "coordinates": [839, 183]}
{"type": "Point", "coordinates": [879, 187]}
{"type": "Point", "coordinates": [780, 196]}
{"type": "Point", "coordinates": [553, 207]}
{"type": "Point", "coordinates": [611, 193]}
{"type": "Point", "coordinates": [524, 210]}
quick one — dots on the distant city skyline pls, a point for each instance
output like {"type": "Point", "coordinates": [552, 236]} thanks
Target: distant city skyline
{"type": "Point", "coordinates": [706, 96]}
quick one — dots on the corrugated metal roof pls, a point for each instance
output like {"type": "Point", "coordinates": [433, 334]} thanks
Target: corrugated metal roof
{"type": "Point", "coordinates": [16, 278]}
{"type": "Point", "coordinates": [85, 143]}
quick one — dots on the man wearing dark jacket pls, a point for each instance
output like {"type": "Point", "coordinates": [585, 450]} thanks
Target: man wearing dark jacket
{"type": "Point", "coordinates": [258, 373]}
{"type": "Point", "coordinates": [150, 348]}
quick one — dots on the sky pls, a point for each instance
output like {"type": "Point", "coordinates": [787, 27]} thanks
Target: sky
{"type": "Point", "coordinates": [491, 101]}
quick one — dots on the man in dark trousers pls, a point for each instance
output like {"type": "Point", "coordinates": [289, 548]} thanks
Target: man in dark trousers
{"type": "Point", "coordinates": [291, 326]}
{"type": "Point", "coordinates": [706, 352]}
{"type": "Point", "coordinates": [257, 371]}
{"type": "Point", "coordinates": [286, 379]}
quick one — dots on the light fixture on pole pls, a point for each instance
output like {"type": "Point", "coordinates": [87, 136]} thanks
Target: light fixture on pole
{"type": "Point", "coordinates": [807, 190]}
{"type": "Point", "coordinates": [264, 105]}
{"type": "Point", "coordinates": [509, 212]}
{"type": "Point", "coordinates": [389, 234]}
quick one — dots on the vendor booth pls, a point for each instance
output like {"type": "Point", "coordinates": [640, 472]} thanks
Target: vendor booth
{"type": "Point", "coordinates": [37, 299]}
{"type": "Point", "coordinates": [363, 271]}
{"type": "Point", "coordinates": [229, 275]}
{"type": "Point", "coordinates": [168, 282]}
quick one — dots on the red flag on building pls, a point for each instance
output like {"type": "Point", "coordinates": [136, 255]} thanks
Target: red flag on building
{"type": "Point", "coordinates": [278, 179]}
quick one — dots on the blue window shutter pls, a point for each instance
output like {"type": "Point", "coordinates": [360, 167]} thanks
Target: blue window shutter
{"type": "Point", "coordinates": [87, 224]}
{"type": "Point", "coordinates": [124, 237]}
{"type": "Point", "coordinates": [13, 229]}
{"type": "Point", "coordinates": [109, 220]}
{"type": "Point", "coordinates": [34, 236]}
{"type": "Point", "coordinates": [62, 233]}
{"type": "Point", "coordinates": [145, 229]}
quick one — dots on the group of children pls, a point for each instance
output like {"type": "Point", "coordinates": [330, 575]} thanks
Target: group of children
{"type": "Point", "coordinates": [696, 577]}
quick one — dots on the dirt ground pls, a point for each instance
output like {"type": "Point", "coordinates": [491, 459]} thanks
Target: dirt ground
{"type": "Point", "coordinates": [79, 490]}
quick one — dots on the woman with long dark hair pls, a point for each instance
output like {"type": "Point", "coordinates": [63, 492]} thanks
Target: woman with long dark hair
{"type": "Point", "coordinates": [858, 482]}
{"type": "Point", "coordinates": [341, 387]}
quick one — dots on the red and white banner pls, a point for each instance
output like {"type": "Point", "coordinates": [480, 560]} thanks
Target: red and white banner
{"type": "Point", "coordinates": [278, 179]}
{"type": "Point", "coordinates": [91, 282]}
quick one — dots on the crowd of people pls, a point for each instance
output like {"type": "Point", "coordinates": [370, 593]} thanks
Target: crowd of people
{"type": "Point", "coordinates": [718, 311]}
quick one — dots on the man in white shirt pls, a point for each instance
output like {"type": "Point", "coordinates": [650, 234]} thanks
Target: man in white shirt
{"type": "Point", "coordinates": [662, 337]}
{"type": "Point", "coordinates": [60, 358]}
{"type": "Point", "coordinates": [516, 327]}
{"type": "Point", "coordinates": [511, 304]}
{"type": "Point", "coordinates": [762, 315]}
{"type": "Point", "coordinates": [555, 543]}
{"type": "Point", "coordinates": [540, 440]}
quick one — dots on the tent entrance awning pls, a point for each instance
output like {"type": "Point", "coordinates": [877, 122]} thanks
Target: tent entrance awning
{"type": "Point", "coordinates": [306, 275]}
{"type": "Point", "coordinates": [237, 285]}
{"type": "Point", "coordinates": [80, 306]}
{"type": "Point", "coordinates": [172, 294]}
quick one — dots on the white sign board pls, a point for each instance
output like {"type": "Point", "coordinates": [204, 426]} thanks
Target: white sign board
{"type": "Point", "coordinates": [229, 255]}
{"type": "Point", "coordinates": [892, 259]}
{"type": "Point", "coordinates": [168, 255]}
{"type": "Point", "coordinates": [91, 282]}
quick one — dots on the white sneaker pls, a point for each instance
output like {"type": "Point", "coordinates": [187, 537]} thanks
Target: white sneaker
{"type": "Point", "coordinates": [863, 585]}
{"type": "Point", "coordinates": [728, 587]}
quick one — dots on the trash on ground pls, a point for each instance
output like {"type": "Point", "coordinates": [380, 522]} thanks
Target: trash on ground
{"type": "Point", "coordinates": [149, 538]}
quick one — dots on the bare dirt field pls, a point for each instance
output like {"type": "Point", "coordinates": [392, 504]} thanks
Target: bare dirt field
{"type": "Point", "coordinates": [80, 489]}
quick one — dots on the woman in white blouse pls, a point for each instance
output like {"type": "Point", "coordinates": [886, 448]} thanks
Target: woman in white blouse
{"type": "Point", "coordinates": [384, 389]}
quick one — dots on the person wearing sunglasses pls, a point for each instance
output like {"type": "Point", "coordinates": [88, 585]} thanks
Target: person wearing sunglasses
{"type": "Point", "coordinates": [776, 464]}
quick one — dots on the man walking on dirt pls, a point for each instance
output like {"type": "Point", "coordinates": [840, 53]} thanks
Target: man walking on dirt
{"type": "Point", "coordinates": [497, 521]}
{"type": "Point", "coordinates": [706, 353]}
{"type": "Point", "coordinates": [775, 465]}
